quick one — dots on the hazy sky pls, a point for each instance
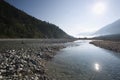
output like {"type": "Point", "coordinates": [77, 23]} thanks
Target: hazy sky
{"type": "Point", "coordinates": [73, 16]}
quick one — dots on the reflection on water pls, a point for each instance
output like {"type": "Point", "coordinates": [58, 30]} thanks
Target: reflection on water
{"type": "Point", "coordinates": [84, 62]}
{"type": "Point", "coordinates": [97, 66]}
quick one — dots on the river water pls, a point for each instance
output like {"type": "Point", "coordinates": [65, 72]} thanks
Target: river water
{"type": "Point", "coordinates": [84, 62]}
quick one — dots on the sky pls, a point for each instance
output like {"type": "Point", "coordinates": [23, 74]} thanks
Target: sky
{"type": "Point", "coordinates": [75, 17]}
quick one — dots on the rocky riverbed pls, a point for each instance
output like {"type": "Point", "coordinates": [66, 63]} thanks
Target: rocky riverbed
{"type": "Point", "coordinates": [110, 45]}
{"type": "Point", "coordinates": [23, 59]}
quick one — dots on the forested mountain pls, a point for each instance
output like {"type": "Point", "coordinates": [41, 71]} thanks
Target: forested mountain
{"type": "Point", "coordinates": [15, 23]}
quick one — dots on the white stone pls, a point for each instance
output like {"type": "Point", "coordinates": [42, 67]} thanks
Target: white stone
{"type": "Point", "coordinates": [20, 68]}
{"type": "Point", "coordinates": [3, 70]}
{"type": "Point", "coordinates": [13, 50]}
{"type": "Point", "coordinates": [1, 77]}
{"type": "Point", "coordinates": [36, 78]}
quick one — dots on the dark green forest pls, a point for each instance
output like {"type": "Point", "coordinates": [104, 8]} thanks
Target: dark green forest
{"type": "Point", "coordinates": [15, 23]}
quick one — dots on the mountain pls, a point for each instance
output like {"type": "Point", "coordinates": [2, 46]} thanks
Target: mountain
{"type": "Point", "coordinates": [15, 23]}
{"type": "Point", "coordinates": [110, 29]}
{"type": "Point", "coordinates": [109, 37]}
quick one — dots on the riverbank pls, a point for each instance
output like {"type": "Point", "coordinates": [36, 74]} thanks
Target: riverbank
{"type": "Point", "coordinates": [26, 59]}
{"type": "Point", "coordinates": [110, 45]}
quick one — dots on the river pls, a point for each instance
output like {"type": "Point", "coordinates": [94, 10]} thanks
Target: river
{"type": "Point", "coordinates": [84, 62]}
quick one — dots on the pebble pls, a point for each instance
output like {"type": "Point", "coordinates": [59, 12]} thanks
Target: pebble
{"type": "Point", "coordinates": [1, 77]}
{"type": "Point", "coordinates": [25, 63]}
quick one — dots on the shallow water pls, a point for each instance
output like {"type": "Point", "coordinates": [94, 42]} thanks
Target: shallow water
{"type": "Point", "coordinates": [84, 62]}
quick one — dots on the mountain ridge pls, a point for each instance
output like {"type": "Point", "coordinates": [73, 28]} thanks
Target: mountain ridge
{"type": "Point", "coordinates": [109, 32]}
{"type": "Point", "coordinates": [15, 23]}
{"type": "Point", "coordinates": [110, 29]}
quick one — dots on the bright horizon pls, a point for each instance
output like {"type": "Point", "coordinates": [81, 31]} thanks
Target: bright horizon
{"type": "Point", "coordinates": [73, 16]}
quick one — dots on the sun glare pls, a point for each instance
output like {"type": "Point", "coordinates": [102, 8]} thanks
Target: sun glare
{"type": "Point", "coordinates": [99, 8]}
{"type": "Point", "coordinates": [97, 66]}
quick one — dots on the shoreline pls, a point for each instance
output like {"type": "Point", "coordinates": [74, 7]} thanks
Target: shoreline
{"type": "Point", "coordinates": [26, 59]}
{"type": "Point", "coordinates": [110, 45]}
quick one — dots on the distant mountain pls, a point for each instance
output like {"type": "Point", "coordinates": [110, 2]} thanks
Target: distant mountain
{"type": "Point", "coordinates": [110, 29]}
{"type": "Point", "coordinates": [108, 37]}
{"type": "Point", "coordinates": [15, 23]}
